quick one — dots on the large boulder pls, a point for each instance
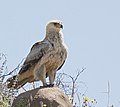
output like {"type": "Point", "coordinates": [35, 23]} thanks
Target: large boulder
{"type": "Point", "coordinates": [42, 97]}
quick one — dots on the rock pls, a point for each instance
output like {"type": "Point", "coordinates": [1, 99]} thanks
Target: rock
{"type": "Point", "coordinates": [42, 97]}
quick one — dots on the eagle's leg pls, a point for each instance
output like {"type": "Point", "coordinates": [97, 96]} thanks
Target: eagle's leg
{"type": "Point", "coordinates": [52, 78]}
{"type": "Point", "coordinates": [44, 82]}
{"type": "Point", "coordinates": [41, 75]}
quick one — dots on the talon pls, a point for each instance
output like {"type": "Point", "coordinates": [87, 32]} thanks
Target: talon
{"type": "Point", "coordinates": [51, 85]}
{"type": "Point", "coordinates": [44, 86]}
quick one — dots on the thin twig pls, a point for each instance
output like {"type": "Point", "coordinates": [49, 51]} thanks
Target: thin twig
{"type": "Point", "coordinates": [12, 70]}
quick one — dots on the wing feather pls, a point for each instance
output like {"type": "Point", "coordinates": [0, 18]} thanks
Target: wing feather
{"type": "Point", "coordinates": [36, 53]}
{"type": "Point", "coordinates": [61, 65]}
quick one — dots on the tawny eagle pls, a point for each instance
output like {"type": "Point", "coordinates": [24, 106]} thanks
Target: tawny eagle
{"type": "Point", "coordinates": [45, 58]}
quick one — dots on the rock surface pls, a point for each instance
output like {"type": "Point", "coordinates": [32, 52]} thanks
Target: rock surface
{"type": "Point", "coordinates": [42, 97]}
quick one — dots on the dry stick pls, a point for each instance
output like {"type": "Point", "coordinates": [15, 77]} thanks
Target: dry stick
{"type": "Point", "coordinates": [33, 85]}
{"type": "Point", "coordinates": [2, 56]}
{"type": "Point", "coordinates": [24, 89]}
{"type": "Point", "coordinates": [108, 94]}
{"type": "Point", "coordinates": [12, 70]}
{"type": "Point", "coordinates": [74, 82]}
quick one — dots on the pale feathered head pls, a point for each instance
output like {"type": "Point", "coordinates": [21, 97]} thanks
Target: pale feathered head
{"type": "Point", "coordinates": [54, 25]}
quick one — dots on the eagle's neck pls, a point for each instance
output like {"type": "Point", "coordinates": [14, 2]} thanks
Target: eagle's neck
{"type": "Point", "coordinates": [54, 37]}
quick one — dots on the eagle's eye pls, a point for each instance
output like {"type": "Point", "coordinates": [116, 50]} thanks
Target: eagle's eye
{"type": "Point", "coordinates": [55, 24]}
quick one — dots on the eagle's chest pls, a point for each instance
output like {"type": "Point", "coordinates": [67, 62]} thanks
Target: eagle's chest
{"type": "Point", "coordinates": [55, 58]}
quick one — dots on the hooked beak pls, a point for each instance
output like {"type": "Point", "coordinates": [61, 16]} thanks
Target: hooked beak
{"type": "Point", "coordinates": [61, 26]}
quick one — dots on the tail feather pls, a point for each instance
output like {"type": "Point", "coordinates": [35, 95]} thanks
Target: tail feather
{"type": "Point", "coordinates": [14, 83]}
{"type": "Point", "coordinates": [21, 79]}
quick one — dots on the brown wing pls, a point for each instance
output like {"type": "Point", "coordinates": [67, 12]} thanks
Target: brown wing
{"type": "Point", "coordinates": [36, 53]}
{"type": "Point", "coordinates": [61, 66]}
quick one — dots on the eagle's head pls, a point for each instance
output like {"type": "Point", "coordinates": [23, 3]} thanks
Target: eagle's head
{"type": "Point", "coordinates": [54, 25]}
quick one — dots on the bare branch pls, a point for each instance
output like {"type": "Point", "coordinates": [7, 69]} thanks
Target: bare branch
{"type": "Point", "coordinates": [71, 85]}
{"type": "Point", "coordinates": [79, 74]}
{"type": "Point", "coordinates": [19, 65]}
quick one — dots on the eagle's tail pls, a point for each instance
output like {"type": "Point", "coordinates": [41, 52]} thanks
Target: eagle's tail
{"type": "Point", "coordinates": [14, 83]}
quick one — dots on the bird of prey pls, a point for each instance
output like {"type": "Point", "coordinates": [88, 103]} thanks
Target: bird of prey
{"type": "Point", "coordinates": [44, 59]}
